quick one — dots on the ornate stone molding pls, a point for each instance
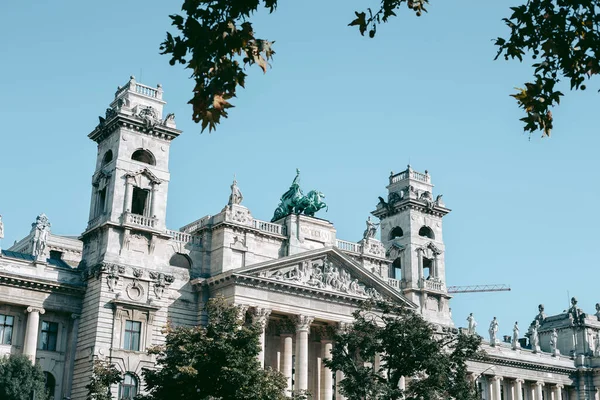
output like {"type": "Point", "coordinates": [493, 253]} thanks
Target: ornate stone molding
{"type": "Point", "coordinates": [260, 315]}
{"type": "Point", "coordinates": [113, 273]}
{"type": "Point", "coordinates": [161, 282]}
{"type": "Point", "coordinates": [32, 309]}
{"type": "Point", "coordinates": [322, 274]}
{"type": "Point", "coordinates": [302, 322]}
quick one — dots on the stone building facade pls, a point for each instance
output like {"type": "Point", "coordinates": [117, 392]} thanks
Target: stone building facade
{"type": "Point", "coordinates": [65, 301]}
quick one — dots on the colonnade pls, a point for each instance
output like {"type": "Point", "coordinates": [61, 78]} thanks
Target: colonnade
{"type": "Point", "coordinates": [519, 389]}
{"type": "Point", "coordinates": [294, 363]}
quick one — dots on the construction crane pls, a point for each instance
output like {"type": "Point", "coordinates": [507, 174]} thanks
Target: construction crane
{"type": "Point", "coordinates": [479, 288]}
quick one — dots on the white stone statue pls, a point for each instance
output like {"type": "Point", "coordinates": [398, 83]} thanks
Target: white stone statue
{"type": "Point", "coordinates": [236, 194]}
{"type": "Point", "coordinates": [515, 336]}
{"type": "Point", "coordinates": [40, 229]}
{"type": "Point", "coordinates": [597, 304]}
{"type": "Point", "coordinates": [554, 341]}
{"type": "Point", "coordinates": [493, 330]}
{"type": "Point", "coordinates": [472, 324]}
{"type": "Point", "coordinates": [534, 337]}
{"type": "Point", "coordinates": [1, 228]}
{"type": "Point", "coordinates": [371, 229]}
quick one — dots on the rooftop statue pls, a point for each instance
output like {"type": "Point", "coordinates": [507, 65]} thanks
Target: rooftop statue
{"type": "Point", "coordinates": [371, 230]}
{"type": "Point", "coordinates": [236, 196]}
{"type": "Point", "coordinates": [40, 229]}
{"type": "Point", "coordinates": [472, 324]}
{"type": "Point", "coordinates": [294, 201]}
{"type": "Point", "coordinates": [1, 228]}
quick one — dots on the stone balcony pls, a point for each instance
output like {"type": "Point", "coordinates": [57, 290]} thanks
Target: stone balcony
{"type": "Point", "coordinates": [140, 221]}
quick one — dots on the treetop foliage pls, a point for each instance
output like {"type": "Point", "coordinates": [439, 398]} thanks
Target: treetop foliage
{"type": "Point", "coordinates": [216, 41]}
{"type": "Point", "coordinates": [217, 361]}
{"type": "Point", "coordinates": [433, 363]}
{"type": "Point", "coordinates": [20, 379]}
{"type": "Point", "coordinates": [104, 374]}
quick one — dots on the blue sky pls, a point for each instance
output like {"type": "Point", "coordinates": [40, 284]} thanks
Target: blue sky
{"type": "Point", "coordinates": [344, 109]}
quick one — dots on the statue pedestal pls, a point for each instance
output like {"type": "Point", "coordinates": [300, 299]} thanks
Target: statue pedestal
{"type": "Point", "coordinates": [556, 353]}
{"type": "Point", "coordinates": [516, 345]}
{"type": "Point", "coordinates": [536, 349]}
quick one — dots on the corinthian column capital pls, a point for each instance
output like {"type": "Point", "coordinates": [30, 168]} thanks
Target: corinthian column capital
{"type": "Point", "coordinates": [261, 315]}
{"type": "Point", "coordinates": [302, 322]}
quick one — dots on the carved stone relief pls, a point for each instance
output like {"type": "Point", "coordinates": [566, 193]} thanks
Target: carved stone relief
{"type": "Point", "coordinates": [161, 282]}
{"type": "Point", "coordinates": [322, 274]}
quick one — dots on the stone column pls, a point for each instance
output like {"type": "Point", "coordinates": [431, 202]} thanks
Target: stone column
{"type": "Point", "coordinates": [420, 267]}
{"type": "Point", "coordinates": [496, 388]}
{"type": "Point", "coordinates": [153, 201]}
{"type": "Point", "coordinates": [261, 317]}
{"type": "Point", "coordinates": [70, 354]}
{"type": "Point", "coordinates": [339, 375]}
{"type": "Point", "coordinates": [557, 392]}
{"type": "Point", "coordinates": [518, 389]}
{"type": "Point", "coordinates": [128, 191]}
{"type": "Point", "coordinates": [286, 359]}
{"type": "Point", "coordinates": [31, 332]}
{"type": "Point", "coordinates": [326, 373]}
{"type": "Point", "coordinates": [538, 390]}
{"type": "Point", "coordinates": [302, 330]}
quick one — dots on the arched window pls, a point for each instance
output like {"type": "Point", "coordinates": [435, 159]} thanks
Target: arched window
{"type": "Point", "coordinates": [50, 384]}
{"type": "Point", "coordinates": [180, 260]}
{"type": "Point", "coordinates": [396, 269]}
{"type": "Point", "coordinates": [397, 232]}
{"type": "Point", "coordinates": [129, 387]}
{"type": "Point", "coordinates": [108, 156]}
{"type": "Point", "coordinates": [144, 156]}
{"type": "Point", "coordinates": [426, 231]}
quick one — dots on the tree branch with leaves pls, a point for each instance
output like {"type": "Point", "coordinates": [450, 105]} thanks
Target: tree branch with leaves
{"type": "Point", "coordinates": [216, 41]}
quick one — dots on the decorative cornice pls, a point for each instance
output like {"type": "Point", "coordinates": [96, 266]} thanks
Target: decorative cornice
{"type": "Point", "coordinates": [40, 285]}
{"type": "Point", "coordinates": [124, 121]}
{"type": "Point", "coordinates": [533, 366]}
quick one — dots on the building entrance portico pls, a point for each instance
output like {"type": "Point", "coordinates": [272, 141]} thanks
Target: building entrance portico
{"type": "Point", "coordinates": [300, 301]}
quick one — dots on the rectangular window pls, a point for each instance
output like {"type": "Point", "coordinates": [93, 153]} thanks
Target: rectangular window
{"type": "Point", "coordinates": [101, 201]}
{"type": "Point", "coordinates": [132, 335]}
{"type": "Point", "coordinates": [49, 335]}
{"type": "Point", "coordinates": [6, 328]}
{"type": "Point", "coordinates": [139, 201]}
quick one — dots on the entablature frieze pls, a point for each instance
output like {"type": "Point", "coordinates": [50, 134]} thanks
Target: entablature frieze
{"type": "Point", "coordinates": [411, 204]}
{"type": "Point", "coordinates": [104, 129]}
{"type": "Point", "coordinates": [41, 285]}
{"type": "Point", "coordinates": [522, 364]}
{"type": "Point", "coordinates": [284, 288]}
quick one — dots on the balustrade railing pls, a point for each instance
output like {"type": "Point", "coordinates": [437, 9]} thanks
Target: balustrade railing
{"type": "Point", "coordinates": [395, 283]}
{"type": "Point", "coordinates": [146, 90]}
{"type": "Point", "coordinates": [268, 227]}
{"type": "Point", "coordinates": [184, 237]}
{"type": "Point", "coordinates": [351, 247]}
{"type": "Point", "coordinates": [432, 285]}
{"type": "Point", "coordinates": [139, 220]}
{"type": "Point", "coordinates": [413, 175]}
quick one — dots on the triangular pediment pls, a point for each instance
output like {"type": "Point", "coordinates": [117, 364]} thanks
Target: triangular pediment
{"type": "Point", "coordinates": [147, 173]}
{"type": "Point", "coordinates": [327, 271]}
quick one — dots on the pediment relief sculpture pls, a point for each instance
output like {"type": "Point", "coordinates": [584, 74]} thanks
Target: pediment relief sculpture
{"type": "Point", "coordinates": [322, 274]}
{"type": "Point", "coordinates": [144, 172]}
{"type": "Point", "coordinates": [430, 250]}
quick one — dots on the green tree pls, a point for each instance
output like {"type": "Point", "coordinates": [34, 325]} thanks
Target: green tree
{"type": "Point", "coordinates": [433, 363]}
{"type": "Point", "coordinates": [216, 40]}
{"type": "Point", "coordinates": [104, 375]}
{"type": "Point", "coordinates": [216, 361]}
{"type": "Point", "coordinates": [20, 379]}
